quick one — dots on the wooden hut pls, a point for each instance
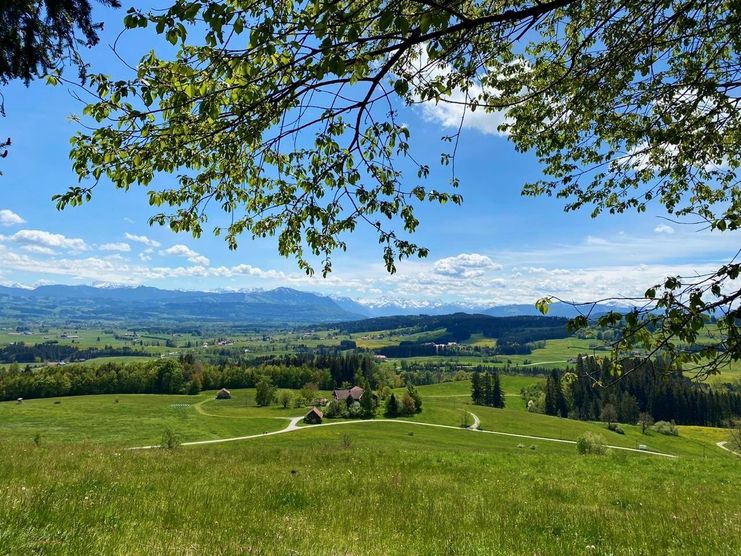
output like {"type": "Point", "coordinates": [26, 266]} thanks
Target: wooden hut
{"type": "Point", "coordinates": [223, 394]}
{"type": "Point", "coordinates": [313, 417]}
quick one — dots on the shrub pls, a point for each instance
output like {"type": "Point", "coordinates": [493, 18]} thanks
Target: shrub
{"type": "Point", "coordinates": [332, 411]}
{"type": "Point", "coordinates": [590, 443]}
{"type": "Point", "coordinates": [666, 427]}
{"type": "Point", "coordinates": [170, 440]}
{"type": "Point", "coordinates": [616, 428]}
{"type": "Point", "coordinates": [355, 410]}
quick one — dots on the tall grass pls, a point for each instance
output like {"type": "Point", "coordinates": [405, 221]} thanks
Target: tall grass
{"type": "Point", "coordinates": [384, 492]}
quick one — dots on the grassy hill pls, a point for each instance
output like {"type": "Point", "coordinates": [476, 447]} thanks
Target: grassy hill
{"type": "Point", "coordinates": [359, 488]}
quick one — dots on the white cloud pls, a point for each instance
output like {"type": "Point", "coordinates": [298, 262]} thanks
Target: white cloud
{"type": "Point", "coordinates": [142, 239]}
{"type": "Point", "coordinates": [454, 111]}
{"type": "Point", "coordinates": [181, 250]}
{"type": "Point", "coordinates": [451, 111]}
{"type": "Point", "coordinates": [119, 246]}
{"type": "Point", "coordinates": [38, 249]}
{"type": "Point", "coordinates": [664, 229]}
{"type": "Point", "coordinates": [41, 238]}
{"type": "Point", "coordinates": [9, 218]}
{"type": "Point", "coordinates": [466, 265]}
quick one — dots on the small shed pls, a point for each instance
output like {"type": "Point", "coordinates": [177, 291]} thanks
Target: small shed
{"type": "Point", "coordinates": [313, 417]}
{"type": "Point", "coordinates": [223, 394]}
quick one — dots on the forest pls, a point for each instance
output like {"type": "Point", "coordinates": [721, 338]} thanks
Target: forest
{"type": "Point", "coordinates": [54, 351]}
{"type": "Point", "coordinates": [595, 390]}
{"type": "Point", "coordinates": [182, 376]}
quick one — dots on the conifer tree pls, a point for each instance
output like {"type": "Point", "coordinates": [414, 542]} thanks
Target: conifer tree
{"type": "Point", "coordinates": [392, 406]}
{"type": "Point", "coordinates": [497, 392]}
{"type": "Point", "coordinates": [488, 389]}
{"type": "Point", "coordinates": [551, 405]}
{"type": "Point", "coordinates": [477, 389]}
{"type": "Point", "coordinates": [366, 402]}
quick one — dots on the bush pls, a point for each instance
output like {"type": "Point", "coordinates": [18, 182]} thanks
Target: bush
{"type": "Point", "coordinates": [332, 411]}
{"type": "Point", "coordinates": [614, 427]}
{"type": "Point", "coordinates": [666, 427]}
{"type": "Point", "coordinates": [590, 443]}
{"type": "Point", "coordinates": [355, 411]}
{"type": "Point", "coordinates": [170, 440]}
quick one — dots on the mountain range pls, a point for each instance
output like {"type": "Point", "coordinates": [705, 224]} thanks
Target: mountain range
{"type": "Point", "coordinates": [277, 307]}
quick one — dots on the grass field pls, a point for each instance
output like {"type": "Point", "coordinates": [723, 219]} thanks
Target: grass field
{"type": "Point", "coordinates": [134, 420]}
{"type": "Point", "coordinates": [360, 488]}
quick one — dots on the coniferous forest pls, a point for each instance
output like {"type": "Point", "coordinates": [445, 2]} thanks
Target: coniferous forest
{"type": "Point", "coordinates": [650, 387]}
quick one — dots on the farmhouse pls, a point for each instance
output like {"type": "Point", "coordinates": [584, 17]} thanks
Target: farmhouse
{"type": "Point", "coordinates": [354, 394]}
{"type": "Point", "coordinates": [313, 417]}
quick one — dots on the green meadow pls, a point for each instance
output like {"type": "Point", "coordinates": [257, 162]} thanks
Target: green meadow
{"type": "Point", "coordinates": [356, 488]}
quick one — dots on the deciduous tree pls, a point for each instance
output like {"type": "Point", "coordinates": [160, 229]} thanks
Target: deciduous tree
{"type": "Point", "coordinates": [285, 117]}
{"type": "Point", "coordinates": [264, 392]}
{"type": "Point", "coordinates": [608, 414]}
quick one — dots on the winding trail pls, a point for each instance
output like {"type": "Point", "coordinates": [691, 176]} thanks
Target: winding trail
{"type": "Point", "coordinates": [293, 426]}
{"type": "Point", "coordinates": [476, 422]}
{"type": "Point", "coordinates": [722, 446]}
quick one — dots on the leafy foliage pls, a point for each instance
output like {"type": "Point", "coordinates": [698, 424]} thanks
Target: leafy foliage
{"type": "Point", "coordinates": [36, 36]}
{"type": "Point", "coordinates": [284, 117]}
{"type": "Point", "coordinates": [591, 443]}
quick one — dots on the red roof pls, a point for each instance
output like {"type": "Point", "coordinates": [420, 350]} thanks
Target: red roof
{"type": "Point", "coordinates": [356, 392]}
{"type": "Point", "coordinates": [316, 411]}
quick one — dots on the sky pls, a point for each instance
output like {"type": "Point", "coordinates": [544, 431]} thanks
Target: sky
{"type": "Point", "coordinates": [497, 248]}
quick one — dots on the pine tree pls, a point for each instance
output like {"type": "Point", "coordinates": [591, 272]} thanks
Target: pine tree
{"type": "Point", "coordinates": [497, 392]}
{"type": "Point", "coordinates": [488, 389]}
{"type": "Point", "coordinates": [551, 403]}
{"type": "Point", "coordinates": [477, 389]}
{"type": "Point", "coordinates": [392, 407]}
{"type": "Point", "coordinates": [366, 402]}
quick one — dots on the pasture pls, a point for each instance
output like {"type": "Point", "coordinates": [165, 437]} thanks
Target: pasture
{"type": "Point", "coordinates": [359, 488]}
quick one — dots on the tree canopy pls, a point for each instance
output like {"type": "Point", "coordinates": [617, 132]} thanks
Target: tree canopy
{"type": "Point", "coordinates": [37, 36]}
{"type": "Point", "coordinates": [284, 116]}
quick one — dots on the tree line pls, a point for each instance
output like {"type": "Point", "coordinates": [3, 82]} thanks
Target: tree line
{"type": "Point", "coordinates": [53, 351]}
{"type": "Point", "coordinates": [595, 389]}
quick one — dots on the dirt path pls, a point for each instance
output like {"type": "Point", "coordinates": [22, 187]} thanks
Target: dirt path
{"type": "Point", "coordinates": [290, 427]}
{"type": "Point", "coordinates": [293, 426]}
{"type": "Point", "coordinates": [722, 446]}
{"type": "Point", "coordinates": [476, 422]}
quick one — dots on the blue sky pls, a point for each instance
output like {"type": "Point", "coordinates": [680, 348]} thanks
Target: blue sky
{"type": "Point", "coordinates": [498, 247]}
